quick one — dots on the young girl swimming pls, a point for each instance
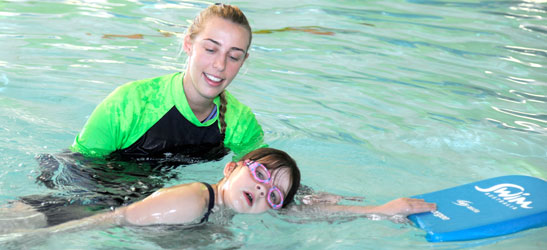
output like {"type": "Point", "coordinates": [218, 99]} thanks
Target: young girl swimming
{"type": "Point", "coordinates": [263, 179]}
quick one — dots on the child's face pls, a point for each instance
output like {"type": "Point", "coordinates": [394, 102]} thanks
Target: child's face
{"type": "Point", "coordinates": [215, 56]}
{"type": "Point", "coordinates": [245, 194]}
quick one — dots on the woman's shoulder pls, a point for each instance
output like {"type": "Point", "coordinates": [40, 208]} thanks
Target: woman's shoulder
{"type": "Point", "coordinates": [152, 84]}
{"type": "Point", "coordinates": [146, 90]}
{"type": "Point", "coordinates": [234, 105]}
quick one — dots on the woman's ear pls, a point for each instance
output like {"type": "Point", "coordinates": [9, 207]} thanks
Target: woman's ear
{"type": "Point", "coordinates": [187, 45]}
{"type": "Point", "coordinates": [229, 168]}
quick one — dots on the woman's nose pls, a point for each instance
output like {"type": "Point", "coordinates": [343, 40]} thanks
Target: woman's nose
{"type": "Point", "coordinates": [219, 63]}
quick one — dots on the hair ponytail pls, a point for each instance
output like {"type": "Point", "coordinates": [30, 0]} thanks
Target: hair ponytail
{"type": "Point", "coordinates": [221, 113]}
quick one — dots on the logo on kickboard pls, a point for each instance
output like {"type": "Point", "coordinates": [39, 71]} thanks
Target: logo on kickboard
{"type": "Point", "coordinates": [510, 195]}
{"type": "Point", "coordinates": [466, 204]}
{"type": "Point", "coordinates": [440, 215]}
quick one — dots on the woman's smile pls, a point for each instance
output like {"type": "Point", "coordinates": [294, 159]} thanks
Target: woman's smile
{"type": "Point", "coordinates": [213, 80]}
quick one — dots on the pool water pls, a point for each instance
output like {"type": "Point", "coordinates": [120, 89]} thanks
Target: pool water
{"type": "Point", "coordinates": [381, 99]}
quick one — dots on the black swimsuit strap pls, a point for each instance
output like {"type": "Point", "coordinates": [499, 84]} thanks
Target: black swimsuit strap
{"type": "Point", "coordinates": [211, 202]}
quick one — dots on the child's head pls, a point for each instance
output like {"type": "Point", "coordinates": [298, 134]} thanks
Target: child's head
{"type": "Point", "coordinates": [264, 178]}
{"type": "Point", "coordinates": [275, 160]}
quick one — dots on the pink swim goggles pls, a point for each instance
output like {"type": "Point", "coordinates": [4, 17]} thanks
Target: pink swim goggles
{"type": "Point", "coordinates": [262, 175]}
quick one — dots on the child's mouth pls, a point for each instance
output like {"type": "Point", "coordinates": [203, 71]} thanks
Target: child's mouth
{"type": "Point", "coordinates": [249, 198]}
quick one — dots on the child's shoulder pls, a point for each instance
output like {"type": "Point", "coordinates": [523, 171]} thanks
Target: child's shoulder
{"type": "Point", "coordinates": [192, 186]}
{"type": "Point", "coordinates": [196, 191]}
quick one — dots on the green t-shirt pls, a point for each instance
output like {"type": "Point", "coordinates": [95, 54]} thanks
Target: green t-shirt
{"type": "Point", "coordinates": [133, 108]}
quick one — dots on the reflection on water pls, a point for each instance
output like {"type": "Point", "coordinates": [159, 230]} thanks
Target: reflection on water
{"type": "Point", "coordinates": [528, 51]}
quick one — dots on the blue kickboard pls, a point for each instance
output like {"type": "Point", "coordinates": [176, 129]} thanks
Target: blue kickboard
{"type": "Point", "coordinates": [486, 208]}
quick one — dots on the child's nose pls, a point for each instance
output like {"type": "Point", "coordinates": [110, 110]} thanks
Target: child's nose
{"type": "Point", "coordinates": [261, 189]}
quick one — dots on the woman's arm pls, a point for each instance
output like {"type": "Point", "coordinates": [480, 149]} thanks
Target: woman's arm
{"type": "Point", "coordinates": [100, 135]}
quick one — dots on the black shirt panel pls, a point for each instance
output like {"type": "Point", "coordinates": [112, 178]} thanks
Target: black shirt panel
{"type": "Point", "coordinates": [174, 138]}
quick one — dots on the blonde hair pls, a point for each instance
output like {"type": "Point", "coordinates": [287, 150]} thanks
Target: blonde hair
{"type": "Point", "coordinates": [225, 11]}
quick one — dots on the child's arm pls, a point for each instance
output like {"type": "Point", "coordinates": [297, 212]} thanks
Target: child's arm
{"type": "Point", "coordinates": [401, 206]}
{"type": "Point", "coordinates": [323, 202]}
{"type": "Point", "coordinates": [174, 205]}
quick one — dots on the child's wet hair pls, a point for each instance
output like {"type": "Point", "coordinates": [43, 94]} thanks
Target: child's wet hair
{"type": "Point", "coordinates": [275, 159]}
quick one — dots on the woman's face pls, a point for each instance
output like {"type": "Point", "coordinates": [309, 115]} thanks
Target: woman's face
{"type": "Point", "coordinates": [215, 56]}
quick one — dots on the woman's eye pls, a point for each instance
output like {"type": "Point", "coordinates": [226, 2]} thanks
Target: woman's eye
{"type": "Point", "coordinates": [233, 58]}
{"type": "Point", "coordinates": [209, 50]}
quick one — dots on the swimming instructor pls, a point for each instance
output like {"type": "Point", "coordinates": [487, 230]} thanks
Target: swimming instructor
{"type": "Point", "coordinates": [181, 115]}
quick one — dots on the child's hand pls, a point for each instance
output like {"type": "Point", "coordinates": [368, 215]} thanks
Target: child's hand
{"type": "Point", "coordinates": [406, 206]}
